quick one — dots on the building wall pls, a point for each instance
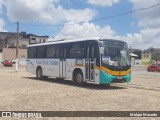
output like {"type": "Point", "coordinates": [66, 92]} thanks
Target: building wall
{"type": "Point", "coordinates": [11, 42]}
{"type": "Point", "coordinates": [23, 42]}
{"type": "Point", "coordinates": [10, 53]}
{"type": "Point", "coordinates": [146, 57]}
{"type": "Point", "coordinates": [35, 40]}
{"type": "Point", "coordinates": [8, 39]}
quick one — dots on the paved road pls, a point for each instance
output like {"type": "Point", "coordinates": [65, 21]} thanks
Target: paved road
{"type": "Point", "coordinates": [21, 91]}
{"type": "Point", "coordinates": [142, 77]}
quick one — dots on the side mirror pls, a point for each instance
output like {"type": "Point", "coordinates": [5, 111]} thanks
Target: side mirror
{"type": "Point", "coordinates": [101, 50]}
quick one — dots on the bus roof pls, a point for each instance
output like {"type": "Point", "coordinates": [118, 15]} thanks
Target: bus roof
{"type": "Point", "coordinates": [74, 40]}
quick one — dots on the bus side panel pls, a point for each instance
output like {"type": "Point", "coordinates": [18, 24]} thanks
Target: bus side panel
{"type": "Point", "coordinates": [52, 68]}
{"type": "Point", "coordinates": [69, 67]}
{"type": "Point", "coordinates": [31, 66]}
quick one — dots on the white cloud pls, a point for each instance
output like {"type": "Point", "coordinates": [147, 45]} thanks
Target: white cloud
{"type": "Point", "coordinates": [50, 11]}
{"type": "Point", "coordinates": [103, 2]}
{"type": "Point", "coordinates": [150, 17]}
{"type": "Point", "coordinates": [2, 25]}
{"type": "Point", "coordinates": [148, 23]}
{"type": "Point", "coordinates": [1, 19]}
{"type": "Point", "coordinates": [1, 2]}
{"type": "Point", "coordinates": [84, 30]}
{"type": "Point", "coordinates": [47, 11]}
{"type": "Point", "coordinates": [142, 40]}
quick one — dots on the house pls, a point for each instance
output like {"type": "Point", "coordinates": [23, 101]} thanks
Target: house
{"type": "Point", "coordinates": [8, 39]}
{"type": "Point", "coordinates": [35, 39]}
{"type": "Point", "coordinates": [146, 57]}
{"type": "Point", "coordinates": [8, 43]}
{"type": "Point", "coordinates": [155, 52]}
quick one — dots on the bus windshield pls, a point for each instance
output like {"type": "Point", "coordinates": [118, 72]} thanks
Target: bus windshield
{"type": "Point", "coordinates": [116, 53]}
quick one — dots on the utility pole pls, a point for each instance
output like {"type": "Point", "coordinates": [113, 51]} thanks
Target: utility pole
{"type": "Point", "coordinates": [17, 46]}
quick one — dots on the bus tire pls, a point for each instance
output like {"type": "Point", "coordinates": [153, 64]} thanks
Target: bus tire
{"type": "Point", "coordinates": [39, 74]}
{"type": "Point", "coordinates": [78, 77]}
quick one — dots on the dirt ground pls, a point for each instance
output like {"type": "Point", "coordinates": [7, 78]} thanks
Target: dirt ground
{"type": "Point", "coordinates": [21, 91]}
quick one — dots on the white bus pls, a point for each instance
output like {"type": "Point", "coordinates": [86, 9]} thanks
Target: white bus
{"type": "Point", "coordinates": [90, 60]}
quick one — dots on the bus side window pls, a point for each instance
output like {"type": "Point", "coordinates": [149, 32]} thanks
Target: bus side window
{"type": "Point", "coordinates": [51, 51]}
{"type": "Point", "coordinates": [40, 52]}
{"type": "Point", "coordinates": [57, 55]}
{"type": "Point", "coordinates": [67, 46]}
{"type": "Point", "coordinates": [61, 51]}
{"type": "Point", "coordinates": [32, 52]}
{"type": "Point", "coordinates": [77, 50]}
{"type": "Point", "coordinates": [82, 45]}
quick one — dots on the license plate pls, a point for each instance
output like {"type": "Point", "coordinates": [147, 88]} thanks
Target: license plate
{"type": "Point", "coordinates": [119, 78]}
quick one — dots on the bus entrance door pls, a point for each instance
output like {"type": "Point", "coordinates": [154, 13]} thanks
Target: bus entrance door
{"type": "Point", "coordinates": [90, 63]}
{"type": "Point", "coordinates": [62, 62]}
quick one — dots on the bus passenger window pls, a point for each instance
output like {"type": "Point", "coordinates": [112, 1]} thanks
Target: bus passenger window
{"type": "Point", "coordinates": [31, 52]}
{"type": "Point", "coordinates": [40, 52]}
{"type": "Point", "coordinates": [76, 51]}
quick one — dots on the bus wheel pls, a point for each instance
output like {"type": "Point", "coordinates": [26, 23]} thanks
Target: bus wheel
{"type": "Point", "coordinates": [39, 74]}
{"type": "Point", "coordinates": [78, 78]}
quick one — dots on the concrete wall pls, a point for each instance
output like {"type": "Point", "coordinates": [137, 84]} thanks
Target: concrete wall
{"type": "Point", "coordinates": [10, 53]}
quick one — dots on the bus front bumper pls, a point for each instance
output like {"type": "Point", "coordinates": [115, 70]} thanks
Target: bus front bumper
{"type": "Point", "coordinates": [107, 79]}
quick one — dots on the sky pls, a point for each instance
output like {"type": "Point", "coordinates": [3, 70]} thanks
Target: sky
{"type": "Point", "coordinates": [83, 18]}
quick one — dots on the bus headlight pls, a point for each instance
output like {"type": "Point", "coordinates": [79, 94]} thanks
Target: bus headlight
{"type": "Point", "coordinates": [106, 72]}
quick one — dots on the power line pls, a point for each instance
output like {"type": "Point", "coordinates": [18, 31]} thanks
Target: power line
{"type": "Point", "coordinates": [129, 12]}
{"type": "Point", "coordinates": [99, 19]}
{"type": "Point", "coordinates": [42, 25]}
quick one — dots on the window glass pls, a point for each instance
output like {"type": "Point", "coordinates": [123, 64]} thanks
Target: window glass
{"type": "Point", "coordinates": [115, 54]}
{"type": "Point", "coordinates": [33, 38]}
{"type": "Point", "coordinates": [40, 52]}
{"type": "Point", "coordinates": [32, 52]}
{"type": "Point", "coordinates": [52, 52]}
{"type": "Point", "coordinates": [76, 50]}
